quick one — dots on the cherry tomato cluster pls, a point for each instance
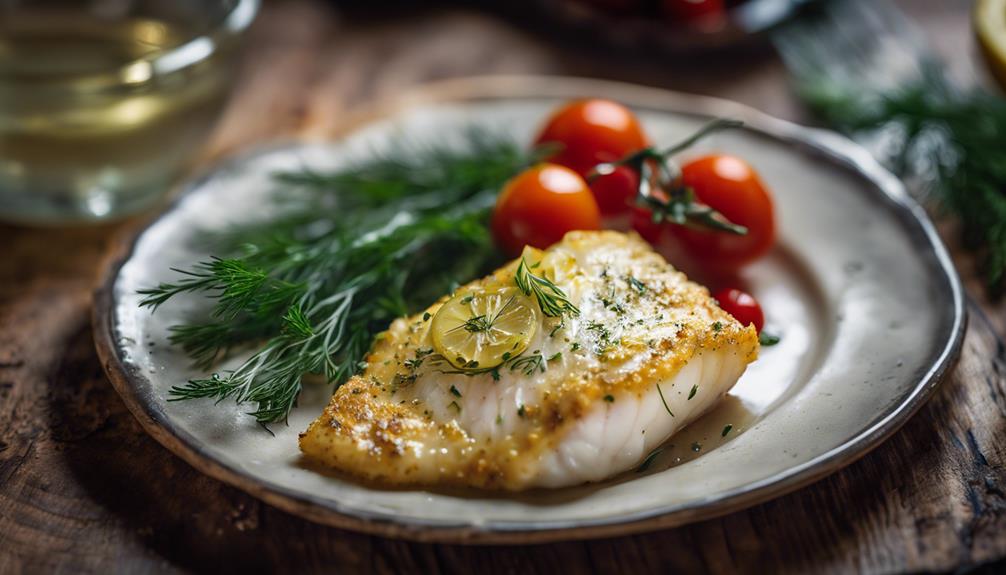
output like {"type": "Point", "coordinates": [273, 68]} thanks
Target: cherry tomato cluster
{"type": "Point", "coordinates": [543, 203]}
{"type": "Point", "coordinates": [742, 305]}
{"type": "Point", "coordinates": [538, 206]}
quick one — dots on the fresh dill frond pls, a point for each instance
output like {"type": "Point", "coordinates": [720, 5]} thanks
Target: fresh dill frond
{"type": "Point", "coordinates": [234, 284]}
{"type": "Point", "coordinates": [525, 363]}
{"type": "Point", "coordinates": [551, 299]}
{"type": "Point", "coordinates": [528, 364]}
{"type": "Point", "coordinates": [946, 144]}
{"type": "Point", "coordinates": [348, 252]}
{"type": "Point", "coordinates": [411, 171]}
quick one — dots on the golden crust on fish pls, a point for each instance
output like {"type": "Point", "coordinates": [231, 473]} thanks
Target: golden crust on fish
{"type": "Point", "coordinates": [604, 387]}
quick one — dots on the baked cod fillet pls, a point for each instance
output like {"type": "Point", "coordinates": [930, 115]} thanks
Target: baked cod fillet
{"type": "Point", "coordinates": [590, 396]}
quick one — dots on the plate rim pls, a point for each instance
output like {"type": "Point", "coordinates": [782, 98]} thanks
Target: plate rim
{"type": "Point", "coordinates": [834, 147]}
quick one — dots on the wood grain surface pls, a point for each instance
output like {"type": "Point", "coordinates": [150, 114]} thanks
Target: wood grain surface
{"type": "Point", "coordinates": [83, 489]}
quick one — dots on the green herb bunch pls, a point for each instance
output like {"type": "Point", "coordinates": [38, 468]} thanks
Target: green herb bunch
{"type": "Point", "coordinates": [551, 299]}
{"type": "Point", "coordinates": [949, 145]}
{"type": "Point", "coordinates": [354, 249]}
{"type": "Point", "coordinates": [309, 289]}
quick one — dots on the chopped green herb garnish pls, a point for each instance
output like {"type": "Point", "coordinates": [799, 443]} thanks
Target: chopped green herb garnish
{"type": "Point", "coordinates": [664, 401]}
{"type": "Point", "coordinates": [767, 339]}
{"type": "Point", "coordinates": [649, 460]}
{"type": "Point", "coordinates": [402, 380]}
{"type": "Point", "coordinates": [521, 411]}
{"type": "Point", "coordinates": [468, 299]}
{"type": "Point", "coordinates": [414, 364]}
{"type": "Point", "coordinates": [726, 430]}
{"type": "Point", "coordinates": [454, 405]}
{"type": "Point", "coordinates": [604, 342]}
{"type": "Point", "coordinates": [609, 398]}
{"type": "Point", "coordinates": [528, 364]}
{"type": "Point", "coordinates": [426, 316]}
{"type": "Point", "coordinates": [636, 284]}
{"type": "Point", "coordinates": [609, 302]}
{"type": "Point", "coordinates": [455, 392]}
{"type": "Point", "coordinates": [477, 324]}
{"type": "Point", "coordinates": [555, 356]}
{"type": "Point", "coordinates": [717, 326]}
{"type": "Point", "coordinates": [695, 389]}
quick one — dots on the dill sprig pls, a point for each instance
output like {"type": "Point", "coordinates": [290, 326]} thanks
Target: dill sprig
{"type": "Point", "coordinates": [551, 299]}
{"type": "Point", "coordinates": [527, 364]}
{"type": "Point", "coordinates": [946, 144]}
{"type": "Point", "coordinates": [483, 323]}
{"type": "Point", "coordinates": [353, 249]}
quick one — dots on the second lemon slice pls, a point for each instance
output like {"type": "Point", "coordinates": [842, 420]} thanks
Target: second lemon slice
{"type": "Point", "coordinates": [482, 328]}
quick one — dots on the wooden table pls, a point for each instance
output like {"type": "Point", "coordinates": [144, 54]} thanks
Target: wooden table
{"type": "Point", "coordinates": [83, 488]}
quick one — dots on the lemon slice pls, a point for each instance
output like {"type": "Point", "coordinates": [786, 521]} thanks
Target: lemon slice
{"type": "Point", "coordinates": [990, 26]}
{"type": "Point", "coordinates": [481, 328]}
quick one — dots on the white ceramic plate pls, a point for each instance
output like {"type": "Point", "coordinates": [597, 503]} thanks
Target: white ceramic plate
{"type": "Point", "coordinates": [860, 288]}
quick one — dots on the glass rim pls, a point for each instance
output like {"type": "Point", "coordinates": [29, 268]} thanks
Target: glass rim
{"type": "Point", "coordinates": [203, 46]}
{"type": "Point", "coordinates": [168, 61]}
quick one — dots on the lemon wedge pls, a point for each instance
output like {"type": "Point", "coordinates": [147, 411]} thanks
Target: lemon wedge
{"type": "Point", "coordinates": [990, 26]}
{"type": "Point", "coordinates": [481, 328]}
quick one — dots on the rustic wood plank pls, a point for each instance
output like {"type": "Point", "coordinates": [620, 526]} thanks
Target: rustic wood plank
{"type": "Point", "coordinates": [82, 488]}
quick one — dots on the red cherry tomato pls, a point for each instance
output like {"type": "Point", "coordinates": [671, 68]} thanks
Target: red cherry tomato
{"type": "Point", "coordinates": [539, 205]}
{"type": "Point", "coordinates": [693, 10]}
{"type": "Point", "coordinates": [730, 186]}
{"type": "Point", "coordinates": [615, 192]}
{"type": "Point", "coordinates": [742, 305]}
{"type": "Point", "coordinates": [642, 222]}
{"type": "Point", "coordinates": [591, 132]}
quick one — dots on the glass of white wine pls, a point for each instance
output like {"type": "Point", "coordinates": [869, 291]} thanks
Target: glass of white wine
{"type": "Point", "coordinates": [103, 102]}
